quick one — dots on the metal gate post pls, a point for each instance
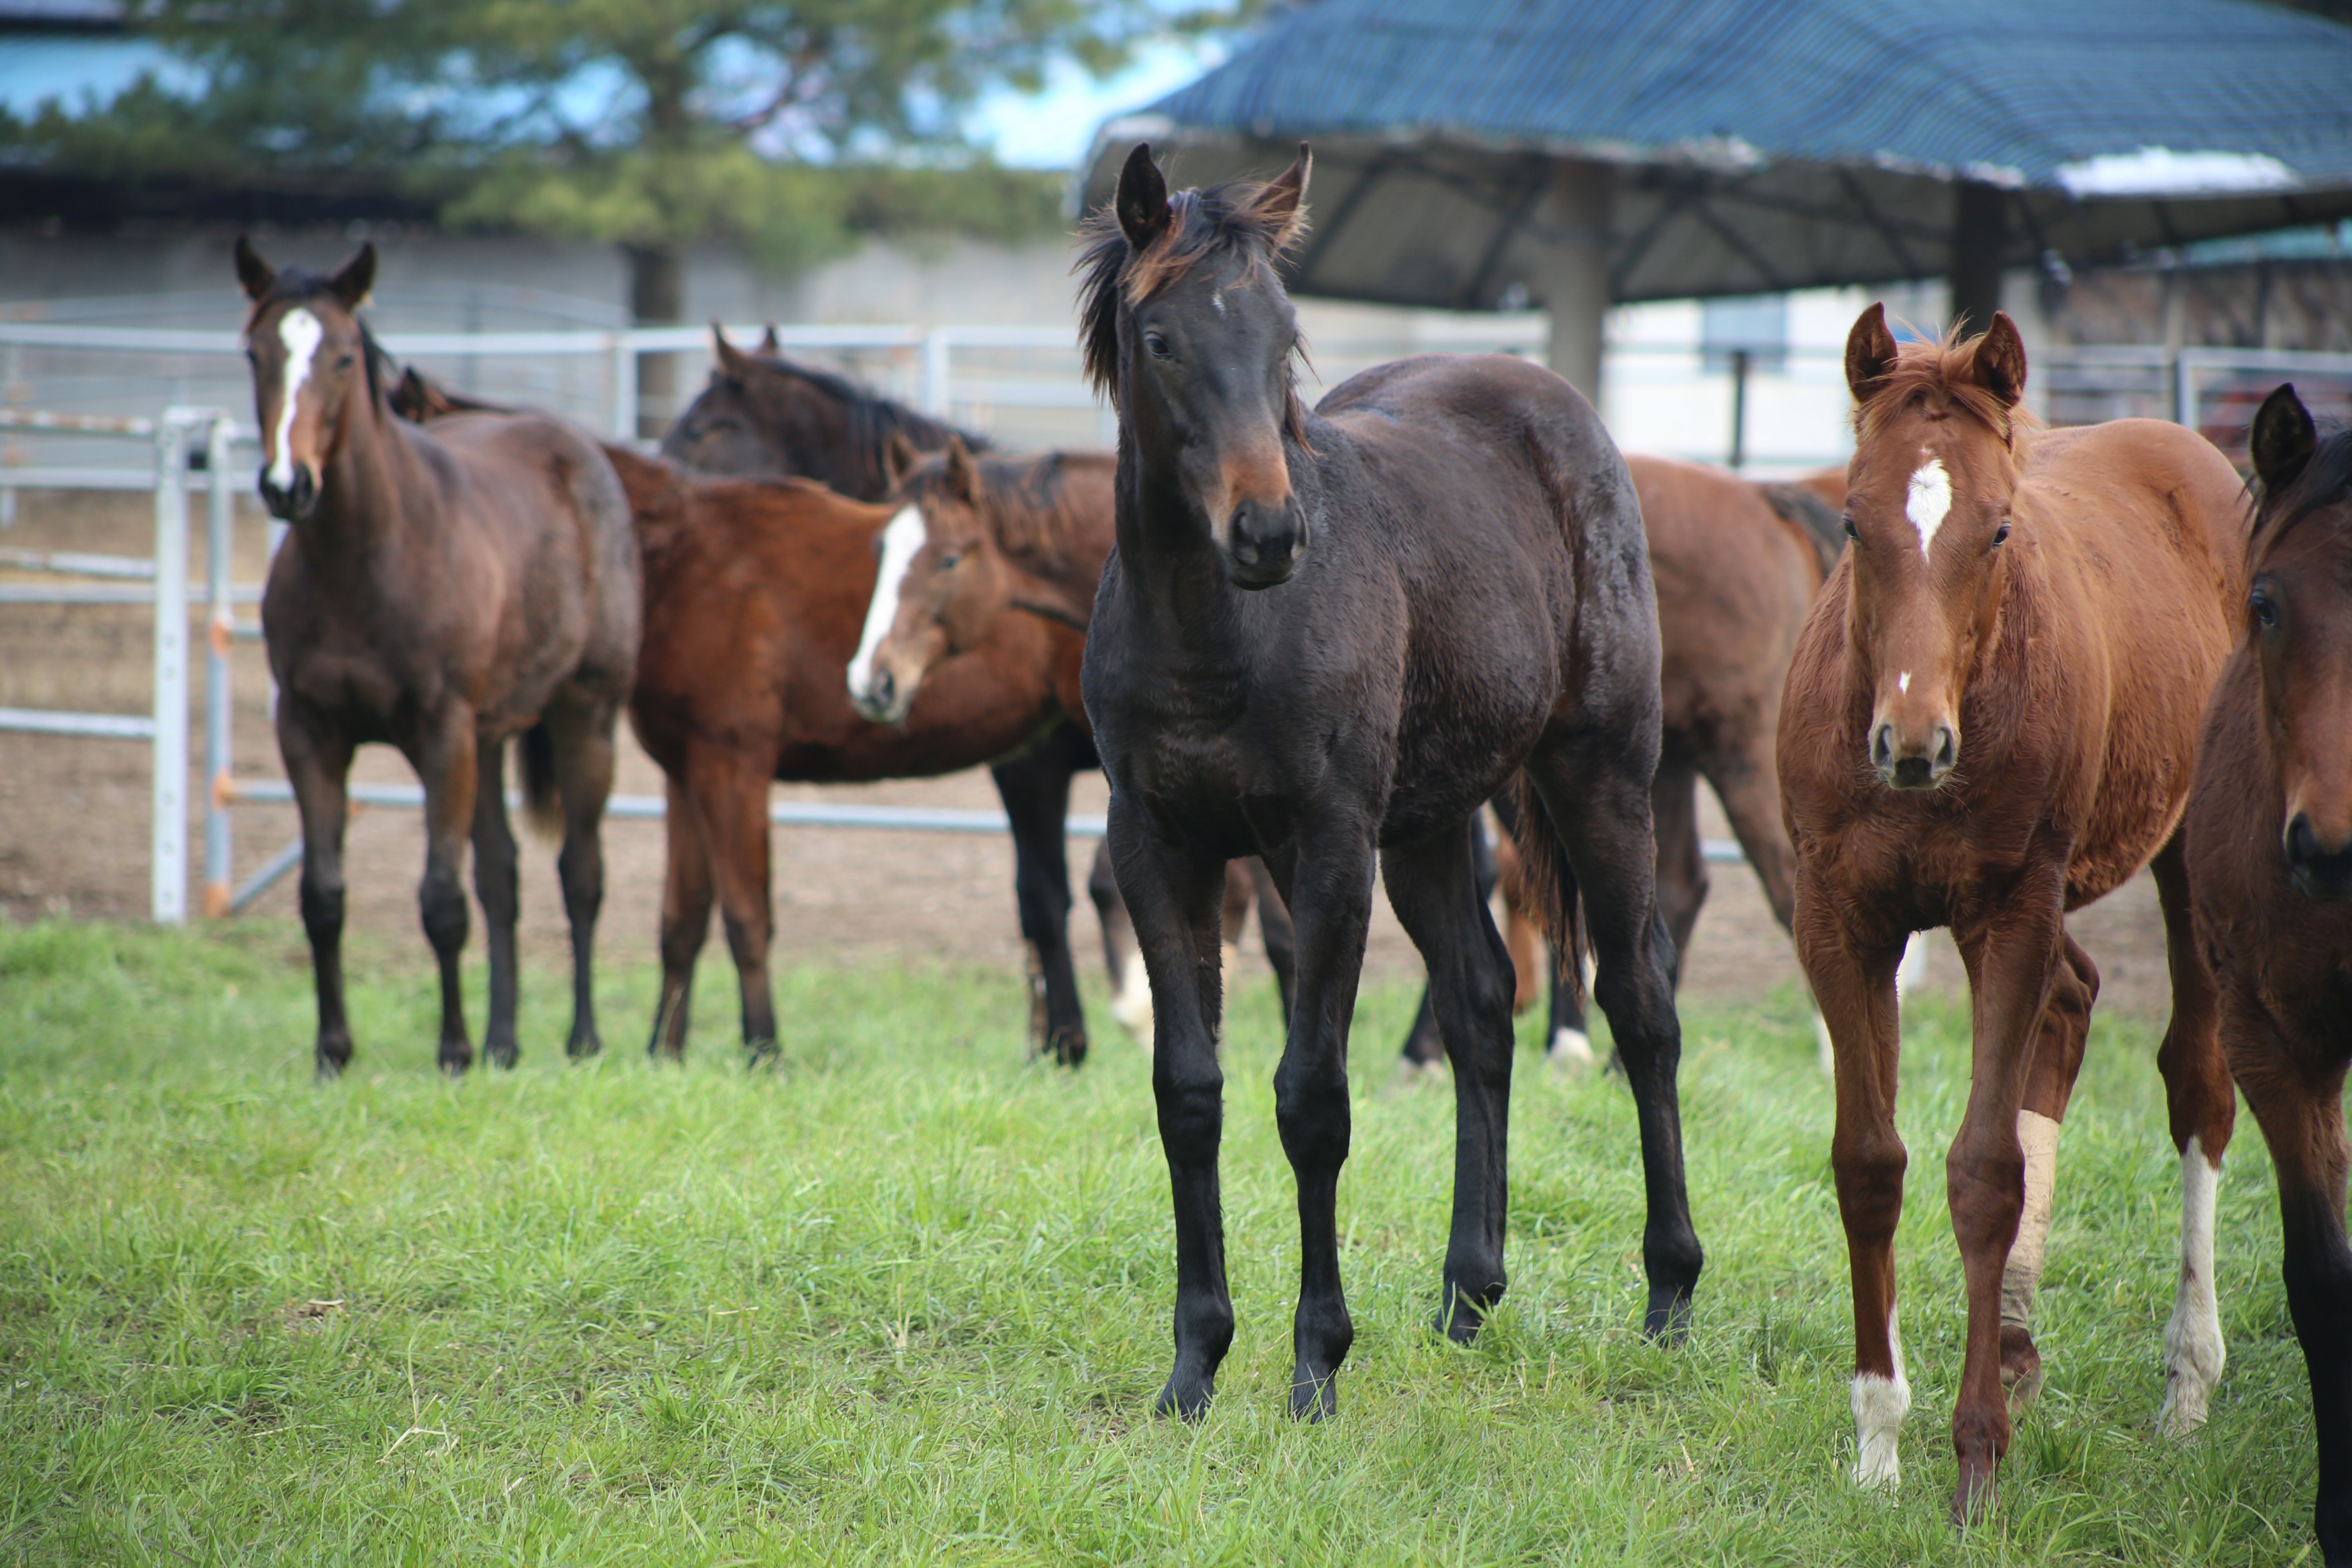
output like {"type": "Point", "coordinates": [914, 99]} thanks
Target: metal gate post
{"type": "Point", "coordinates": [935, 372]}
{"type": "Point", "coordinates": [170, 850]}
{"type": "Point", "coordinates": [624, 389]}
{"type": "Point", "coordinates": [220, 625]}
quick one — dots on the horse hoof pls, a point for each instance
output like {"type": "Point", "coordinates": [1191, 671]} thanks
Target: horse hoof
{"type": "Point", "coordinates": [1973, 1499]}
{"type": "Point", "coordinates": [1667, 1320]}
{"type": "Point", "coordinates": [503, 1054]}
{"type": "Point", "coordinates": [759, 1055]}
{"type": "Point", "coordinates": [1186, 1398]}
{"type": "Point", "coordinates": [329, 1070]}
{"type": "Point", "coordinates": [2020, 1366]}
{"type": "Point", "coordinates": [1314, 1398]}
{"type": "Point", "coordinates": [579, 1047]}
{"type": "Point", "coordinates": [456, 1063]}
{"type": "Point", "coordinates": [1460, 1323]}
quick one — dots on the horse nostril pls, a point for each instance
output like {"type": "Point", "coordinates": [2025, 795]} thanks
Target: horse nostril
{"type": "Point", "coordinates": [2303, 841]}
{"type": "Point", "coordinates": [1882, 748]}
{"type": "Point", "coordinates": [1948, 751]}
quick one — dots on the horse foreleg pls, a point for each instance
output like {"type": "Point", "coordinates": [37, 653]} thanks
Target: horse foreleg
{"type": "Point", "coordinates": [2015, 952]}
{"type": "Point", "coordinates": [1682, 855]}
{"type": "Point", "coordinates": [1171, 893]}
{"type": "Point", "coordinates": [319, 762]}
{"type": "Point", "coordinates": [2204, 1111]}
{"type": "Point", "coordinates": [583, 735]}
{"type": "Point", "coordinates": [1853, 983]}
{"type": "Point", "coordinates": [731, 800]}
{"type": "Point", "coordinates": [1331, 880]}
{"type": "Point", "coordinates": [1598, 803]}
{"type": "Point", "coordinates": [495, 884]}
{"type": "Point", "coordinates": [445, 761]}
{"type": "Point", "coordinates": [1035, 789]}
{"type": "Point", "coordinates": [2057, 1060]}
{"type": "Point", "coordinates": [686, 896]}
{"type": "Point", "coordinates": [1434, 888]}
{"type": "Point", "coordinates": [2299, 1105]}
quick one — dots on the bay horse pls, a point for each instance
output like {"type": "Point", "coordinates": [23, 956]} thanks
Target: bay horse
{"type": "Point", "coordinates": [1990, 721]}
{"type": "Point", "coordinates": [764, 416]}
{"type": "Point", "coordinates": [2270, 862]}
{"type": "Point", "coordinates": [755, 598]}
{"type": "Point", "coordinates": [1329, 638]}
{"type": "Point", "coordinates": [439, 591]}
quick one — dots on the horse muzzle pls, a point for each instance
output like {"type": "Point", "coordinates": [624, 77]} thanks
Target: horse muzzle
{"type": "Point", "coordinates": [2317, 871]}
{"type": "Point", "coordinates": [880, 701]}
{"type": "Point", "coordinates": [294, 502]}
{"type": "Point", "coordinates": [1914, 763]}
{"type": "Point", "coordinates": [1264, 543]}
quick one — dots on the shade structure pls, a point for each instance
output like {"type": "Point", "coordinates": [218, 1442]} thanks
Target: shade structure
{"type": "Point", "coordinates": [1688, 148]}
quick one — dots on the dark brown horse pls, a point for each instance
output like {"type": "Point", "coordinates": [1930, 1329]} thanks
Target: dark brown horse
{"type": "Point", "coordinates": [755, 594]}
{"type": "Point", "coordinates": [765, 415]}
{"type": "Point", "coordinates": [1328, 639]}
{"type": "Point", "coordinates": [2270, 862]}
{"type": "Point", "coordinates": [1988, 722]}
{"type": "Point", "coordinates": [440, 592]}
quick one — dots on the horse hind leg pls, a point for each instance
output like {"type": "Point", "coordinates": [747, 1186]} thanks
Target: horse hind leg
{"type": "Point", "coordinates": [2057, 1060]}
{"type": "Point", "coordinates": [687, 895]}
{"type": "Point", "coordinates": [495, 884]}
{"type": "Point", "coordinates": [1275, 930]}
{"type": "Point", "coordinates": [1567, 1041]}
{"type": "Point", "coordinates": [1596, 809]}
{"type": "Point", "coordinates": [1035, 790]}
{"type": "Point", "coordinates": [2203, 1111]}
{"type": "Point", "coordinates": [583, 764]}
{"type": "Point", "coordinates": [1130, 986]}
{"type": "Point", "coordinates": [446, 763]}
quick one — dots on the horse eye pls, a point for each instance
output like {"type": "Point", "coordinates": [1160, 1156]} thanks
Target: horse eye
{"type": "Point", "coordinates": [1158, 345]}
{"type": "Point", "coordinates": [2265, 609]}
{"type": "Point", "coordinates": [345, 363]}
{"type": "Point", "coordinates": [948, 562]}
{"type": "Point", "coordinates": [1850, 531]}
{"type": "Point", "coordinates": [2002, 532]}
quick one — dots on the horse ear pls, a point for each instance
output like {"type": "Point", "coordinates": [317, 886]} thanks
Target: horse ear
{"type": "Point", "coordinates": [1870, 351]}
{"type": "Point", "coordinates": [733, 361]}
{"type": "Point", "coordinates": [2282, 440]}
{"type": "Point", "coordinates": [769, 344]}
{"type": "Point", "coordinates": [899, 456]}
{"type": "Point", "coordinates": [409, 399]}
{"type": "Point", "coordinates": [1999, 362]}
{"type": "Point", "coordinates": [1142, 200]}
{"type": "Point", "coordinates": [1282, 205]}
{"type": "Point", "coordinates": [352, 284]}
{"type": "Point", "coordinates": [256, 275]}
{"type": "Point", "coordinates": [963, 471]}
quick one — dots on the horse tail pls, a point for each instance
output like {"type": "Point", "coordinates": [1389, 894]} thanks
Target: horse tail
{"type": "Point", "coordinates": [1550, 884]}
{"type": "Point", "coordinates": [1810, 516]}
{"type": "Point", "coordinates": [542, 803]}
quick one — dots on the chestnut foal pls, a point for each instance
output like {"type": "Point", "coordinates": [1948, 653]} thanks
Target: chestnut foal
{"type": "Point", "coordinates": [2270, 858]}
{"type": "Point", "coordinates": [1988, 722]}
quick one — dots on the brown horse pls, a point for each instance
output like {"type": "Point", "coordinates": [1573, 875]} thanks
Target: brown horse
{"type": "Point", "coordinates": [754, 596]}
{"type": "Point", "coordinates": [2270, 858]}
{"type": "Point", "coordinates": [438, 592]}
{"type": "Point", "coordinates": [1988, 722]}
{"type": "Point", "coordinates": [1001, 537]}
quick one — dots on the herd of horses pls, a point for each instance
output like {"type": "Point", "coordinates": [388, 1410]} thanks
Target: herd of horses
{"type": "Point", "coordinates": [1977, 681]}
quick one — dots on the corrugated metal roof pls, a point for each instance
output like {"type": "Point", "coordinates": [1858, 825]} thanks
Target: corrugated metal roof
{"type": "Point", "coordinates": [1768, 144]}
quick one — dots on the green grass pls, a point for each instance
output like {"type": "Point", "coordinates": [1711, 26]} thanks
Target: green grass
{"type": "Point", "coordinates": [905, 1299]}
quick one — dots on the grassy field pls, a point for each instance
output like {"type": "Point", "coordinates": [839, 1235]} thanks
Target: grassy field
{"type": "Point", "coordinates": [904, 1299]}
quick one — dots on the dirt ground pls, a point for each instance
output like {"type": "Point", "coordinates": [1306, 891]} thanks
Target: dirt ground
{"type": "Point", "coordinates": [74, 824]}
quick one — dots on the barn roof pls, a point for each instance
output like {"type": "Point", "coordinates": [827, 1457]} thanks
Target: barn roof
{"type": "Point", "coordinates": [1764, 145]}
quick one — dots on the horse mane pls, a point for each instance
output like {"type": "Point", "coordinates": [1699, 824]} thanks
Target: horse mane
{"type": "Point", "coordinates": [1810, 516]}
{"type": "Point", "coordinates": [1937, 372]}
{"type": "Point", "coordinates": [2325, 479]}
{"type": "Point", "coordinates": [873, 418]}
{"type": "Point", "coordinates": [299, 283]}
{"type": "Point", "coordinates": [1215, 220]}
{"type": "Point", "coordinates": [1025, 501]}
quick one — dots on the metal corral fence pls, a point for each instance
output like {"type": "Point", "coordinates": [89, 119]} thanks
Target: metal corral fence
{"type": "Point", "coordinates": [971, 374]}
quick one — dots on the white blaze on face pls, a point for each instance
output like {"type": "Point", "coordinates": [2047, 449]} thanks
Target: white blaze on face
{"type": "Point", "coordinates": [2193, 1352]}
{"type": "Point", "coordinates": [1929, 498]}
{"type": "Point", "coordinates": [300, 331]}
{"type": "Point", "coordinates": [1879, 1405]}
{"type": "Point", "coordinates": [901, 538]}
{"type": "Point", "coordinates": [1903, 681]}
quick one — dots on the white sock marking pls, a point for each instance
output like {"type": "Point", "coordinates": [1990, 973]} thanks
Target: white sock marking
{"type": "Point", "coordinates": [2193, 1352]}
{"type": "Point", "coordinates": [1929, 498]}
{"type": "Point", "coordinates": [1132, 1006]}
{"type": "Point", "coordinates": [1572, 1047]}
{"type": "Point", "coordinates": [299, 330]}
{"type": "Point", "coordinates": [2021, 1275]}
{"type": "Point", "coordinates": [901, 538]}
{"type": "Point", "coordinates": [1879, 1405]}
